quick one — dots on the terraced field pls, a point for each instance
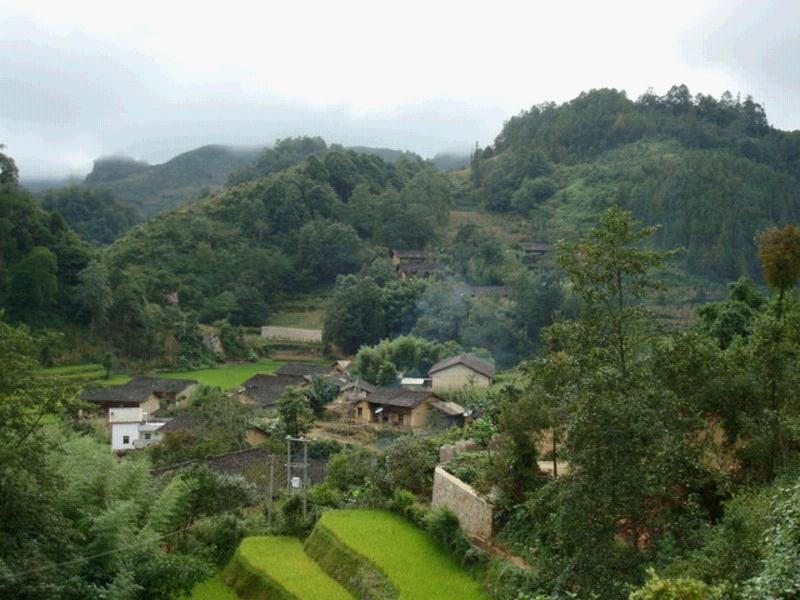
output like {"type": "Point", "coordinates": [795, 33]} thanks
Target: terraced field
{"type": "Point", "coordinates": [412, 562]}
{"type": "Point", "coordinates": [224, 376]}
{"type": "Point", "coordinates": [351, 554]}
{"type": "Point", "coordinates": [275, 567]}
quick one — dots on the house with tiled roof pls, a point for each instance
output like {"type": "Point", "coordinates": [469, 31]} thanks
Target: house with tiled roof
{"type": "Point", "coordinates": [402, 407]}
{"type": "Point", "coordinates": [147, 393]}
{"type": "Point", "coordinates": [264, 391]}
{"type": "Point", "coordinates": [463, 370]}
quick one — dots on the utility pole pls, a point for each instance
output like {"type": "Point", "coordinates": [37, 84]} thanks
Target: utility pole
{"type": "Point", "coordinates": [290, 481]}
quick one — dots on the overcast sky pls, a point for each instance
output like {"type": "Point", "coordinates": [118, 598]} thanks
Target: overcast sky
{"type": "Point", "coordinates": [152, 79]}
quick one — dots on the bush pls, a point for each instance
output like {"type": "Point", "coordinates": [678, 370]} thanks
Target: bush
{"type": "Point", "coordinates": [683, 588]}
{"type": "Point", "coordinates": [442, 523]}
{"type": "Point", "coordinates": [405, 503]}
{"type": "Point", "coordinates": [351, 468]}
{"type": "Point", "coordinates": [410, 462]}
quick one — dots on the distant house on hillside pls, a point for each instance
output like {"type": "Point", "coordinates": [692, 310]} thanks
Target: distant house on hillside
{"type": "Point", "coordinates": [303, 370]}
{"type": "Point", "coordinates": [531, 251]}
{"type": "Point", "coordinates": [405, 408]}
{"type": "Point", "coordinates": [350, 394]}
{"type": "Point", "coordinates": [414, 263]}
{"type": "Point", "coordinates": [460, 371]}
{"type": "Point", "coordinates": [265, 390]}
{"type": "Point", "coordinates": [146, 393]}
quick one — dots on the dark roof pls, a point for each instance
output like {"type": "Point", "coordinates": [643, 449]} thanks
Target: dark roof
{"type": "Point", "coordinates": [338, 379]}
{"type": "Point", "coordinates": [137, 389]}
{"type": "Point", "coordinates": [298, 369]}
{"type": "Point", "coordinates": [360, 384]}
{"type": "Point", "coordinates": [398, 397]}
{"type": "Point", "coordinates": [185, 422]}
{"type": "Point", "coordinates": [452, 409]}
{"type": "Point", "coordinates": [266, 390]}
{"type": "Point", "coordinates": [478, 365]}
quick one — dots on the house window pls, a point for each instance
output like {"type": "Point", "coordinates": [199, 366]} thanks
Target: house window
{"type": "Point", "coordinates": [147, 436]}
{"type": "Point", "coordinates": [360, 412]}
{"type": "Point", "coordinates": [126, 439]}
{"type": "Point", "coordinates": [400, 419]}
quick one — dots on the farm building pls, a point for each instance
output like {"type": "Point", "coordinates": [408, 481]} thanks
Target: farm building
{"type": "Point", "coordinates": [404, 408]}
{"type": "Point", "coordinates": [265, 390]}
{"type": "Point", "coordinates": [414, 263]}
{"type": "Point", "coordinates": [461, 371]}
{"type": "Point", "coordinates": [147, 393]}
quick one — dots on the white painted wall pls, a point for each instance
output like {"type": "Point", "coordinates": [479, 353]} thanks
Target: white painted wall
{"type": "Point", "coordinates": [118, 433]}
{"type": "Point", "coordinates": [125, 415]}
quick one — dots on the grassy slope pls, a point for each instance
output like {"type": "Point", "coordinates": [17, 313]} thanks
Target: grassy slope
{"type": "Point", "coordinates": [281, 560]}
{"type": "Point", "coordinates": [409, 557]}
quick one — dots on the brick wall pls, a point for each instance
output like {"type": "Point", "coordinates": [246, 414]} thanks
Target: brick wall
{"type": "Point", "coordinates": [474, 512]}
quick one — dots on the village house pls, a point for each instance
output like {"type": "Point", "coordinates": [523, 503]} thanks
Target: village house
{"type": "Point", "coordinates": [131, 429]}
{"type": "Point", "coordinates": [532, 252]}
{"type": "Point", "coordinates": [131, 408]}
{"type": "Point", "coordinates": [147, 393]}
{"type": "Point", "coordinates": [461, 371]}
{"type": "Point", "coordinates": [264, 391]}
{"type": "Point", "coordinates": [401, 407]}
{"type": "Point", "coordinates": [349, 394]}
{"type": "Point", "coordinates": [414, 263]}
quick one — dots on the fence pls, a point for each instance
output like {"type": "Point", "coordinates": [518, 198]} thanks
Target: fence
{"type": "Point", "coordinates": [256, 465]}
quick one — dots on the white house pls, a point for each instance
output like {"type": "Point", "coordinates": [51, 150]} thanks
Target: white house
{"type": "Point", "coordinates": [131, 428]}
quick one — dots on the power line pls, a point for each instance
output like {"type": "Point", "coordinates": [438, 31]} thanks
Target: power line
{"type": "Point", "coordinates": [90, 557]}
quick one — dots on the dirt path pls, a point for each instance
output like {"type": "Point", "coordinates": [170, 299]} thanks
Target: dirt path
{"type": "Point", "coordinates": [494, 548]}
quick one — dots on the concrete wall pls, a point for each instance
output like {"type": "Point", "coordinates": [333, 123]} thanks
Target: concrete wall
{"type": "Point", "coordinates": [474, 512]}
{"type": "Point", "coordinates": [118, 433]}
{"type": "Point", "coordinates": [291, 334]}
{"type": "Point", "coordinates": [458, 376]}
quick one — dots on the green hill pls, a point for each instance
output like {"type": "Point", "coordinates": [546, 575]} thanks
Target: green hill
{"type": "Point", "coordinates": [711, 171]}
{"type": "Point", "coordinates": [153, 189]}
{"type": "Point", "coordinates": [40, 258]}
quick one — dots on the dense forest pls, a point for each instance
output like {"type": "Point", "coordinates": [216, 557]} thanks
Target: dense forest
{"type": "Point", "coordinates": [711, 171]}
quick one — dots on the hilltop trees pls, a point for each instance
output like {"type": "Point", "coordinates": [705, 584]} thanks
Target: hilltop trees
{"type": "Point", "coordinates": [39, 257]}
{"type": "Point", "coordinates": [711, 171]}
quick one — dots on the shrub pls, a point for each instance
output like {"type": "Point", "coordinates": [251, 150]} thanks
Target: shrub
{"type": "Point", "coordinates": [351, 468]}
{"type": "Point", "coordinates": [410, 462]}
{"type": "Point", "coordinates": [682, 588]}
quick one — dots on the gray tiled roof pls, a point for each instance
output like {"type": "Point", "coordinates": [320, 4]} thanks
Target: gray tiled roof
{"type": "Point", "coordinates": [299, 369]}
{"type": "Point", "coordinates": [137, 389]}
{"type": "Point", "coordinates": [398, 397]}
{"type": "Point", "coordinates": [266, 390]}
{"type": "Point", "coordinates": [478, 365]}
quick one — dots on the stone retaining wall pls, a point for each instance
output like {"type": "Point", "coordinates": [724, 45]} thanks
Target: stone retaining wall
{"type": "Point", "coordinates": [474, 512]}
{"type": "Point", "coordinates": [291, 334]}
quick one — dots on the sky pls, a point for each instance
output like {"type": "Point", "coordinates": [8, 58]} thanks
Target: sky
{"type": "Point", "coordinates": [79, 79]}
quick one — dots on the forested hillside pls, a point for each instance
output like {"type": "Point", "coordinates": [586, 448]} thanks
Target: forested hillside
{"type": "Point", "coordinates": [152, 189]}
{"type": "Point", "coordinates": [233, 255]}
{"type": "Point", "coordinates": [40, 257]}
{"type": "Point", "coordinates": [712, 172]}
{"type": "Point", "coordinates": [94, 214]}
